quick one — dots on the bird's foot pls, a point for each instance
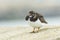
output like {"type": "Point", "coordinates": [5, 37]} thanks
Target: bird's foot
{"type": "Point", "coordinates": [33, 32]}
{"type": "Point", "coordinates": [37, 31]}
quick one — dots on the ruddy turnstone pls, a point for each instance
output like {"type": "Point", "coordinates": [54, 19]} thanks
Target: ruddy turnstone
{"type": "Point", "coordinates": [35, 20]}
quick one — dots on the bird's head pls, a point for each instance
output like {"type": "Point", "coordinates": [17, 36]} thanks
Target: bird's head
{"type": "Point", "coordinates": [31, 13]}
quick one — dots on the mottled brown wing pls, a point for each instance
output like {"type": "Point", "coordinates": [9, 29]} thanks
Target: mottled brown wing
{"type": "Point", "coordinates": [41, 18]}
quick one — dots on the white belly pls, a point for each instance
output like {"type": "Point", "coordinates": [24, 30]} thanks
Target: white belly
{"type": "Point", "coordinates": [35, 24]}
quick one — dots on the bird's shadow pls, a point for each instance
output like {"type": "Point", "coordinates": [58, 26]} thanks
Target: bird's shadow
{"type": "Point", "coordinates": [45, 29]}
{"type": "Point", "coordinates": [57, 38]}
{"type": "Point", "coordinates": [41, 30]}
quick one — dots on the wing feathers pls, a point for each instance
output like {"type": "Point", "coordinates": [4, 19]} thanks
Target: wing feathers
{"type": "Point", "coordinates": [41, 18]}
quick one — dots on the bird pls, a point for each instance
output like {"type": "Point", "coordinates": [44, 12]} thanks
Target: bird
{"type": "Point", "coordinates": [35, 19]}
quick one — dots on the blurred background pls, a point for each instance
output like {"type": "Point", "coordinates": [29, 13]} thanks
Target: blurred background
{"type": "Point", "coordinates": [13, 12]}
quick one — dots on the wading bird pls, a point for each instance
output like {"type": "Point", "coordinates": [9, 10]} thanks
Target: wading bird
{"type": "Point", "coordinates": [35, 20]}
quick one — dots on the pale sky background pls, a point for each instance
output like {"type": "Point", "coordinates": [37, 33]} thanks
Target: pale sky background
{"type": "Point", "coordinates": [20, 4]}
{"type": "Point", "coordinates": [34, 3]}
{"type": "Point", "coordinates": [46, 7]}
{"type": "Point", "coordinates": [18, 9]}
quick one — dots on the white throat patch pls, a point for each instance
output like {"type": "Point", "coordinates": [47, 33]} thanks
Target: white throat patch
{"type": "Point", "coordinates": [30, 16]}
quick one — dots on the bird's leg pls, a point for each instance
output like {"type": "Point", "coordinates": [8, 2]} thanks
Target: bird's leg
{"type": "Point", "coordinates": [33, 30]}
{"type": "Point", "coordinates": [38, 29]}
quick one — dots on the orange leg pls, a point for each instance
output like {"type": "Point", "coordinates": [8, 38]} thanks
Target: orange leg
{"type": "Point", "coordinates": [33, 30]}
{"type": "Point", "coordinates": [38, 29]}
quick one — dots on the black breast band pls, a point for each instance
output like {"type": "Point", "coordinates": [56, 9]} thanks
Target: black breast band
{"type": "Point", "coordinates": [33, 19]}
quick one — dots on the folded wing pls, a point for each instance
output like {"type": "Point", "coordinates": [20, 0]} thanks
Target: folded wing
{"type": "Point", "coordinates": [41, 18]}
